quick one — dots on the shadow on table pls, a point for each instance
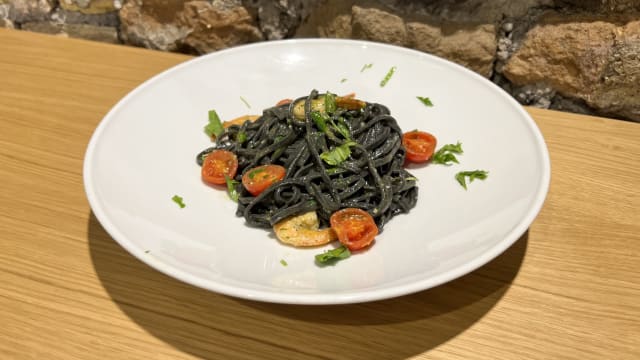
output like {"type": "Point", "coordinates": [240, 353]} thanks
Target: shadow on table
{"type": "Point", "coordinates": [210, 325]}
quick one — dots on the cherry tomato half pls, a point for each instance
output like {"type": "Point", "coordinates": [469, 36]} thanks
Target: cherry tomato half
{"type": "Point", "coordinates": [420, 145]}
{"type": "Point", "coordinates": [218, 164]}
{"type": "Point", "coordinates": [257, 179]}
{"type": "Point", "coordinates": [355, 228]}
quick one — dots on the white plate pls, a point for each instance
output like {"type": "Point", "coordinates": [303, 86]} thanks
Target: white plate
{"type": "Point", "coordinates": [143, 151]}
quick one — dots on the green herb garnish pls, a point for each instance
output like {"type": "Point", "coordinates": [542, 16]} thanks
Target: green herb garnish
{"type": "Point", "coordinates": [331, 256]}
{"type": "Point", "coordinates": [231, 188]}
{"type": "Point", "coordinates": [445, 155]}
{"type": "Point", "coordinates": [245, 102]}
{"type": "Point", "coordinates": [214, 127]}
{"type": "Point", "coordinates": [388, 76]}
{"type": "Point", "coordinates": [241, 137]}
{"type": "Point", "coordinates": [343, 80]}
{"type": "Point", "coordinates": [342, 128]}
{"type": "Point", "coordinates": [178, 200]}
{"type": "Point", "coordinates": [338, 154]}
{"type": "Point", "coordinates": [365, 67]}
{"type": "Point", "coordinates": [472, 175]}
{"type": "Point", "coordinates": [320, 120]}
{"type": "Point", "coordinates": [255, 172]}
{"type": "Point", "coordinates": [330, 104]}
{"type": "Point", "coordinates": [425, 100]}
{"type": "Point", "coordinates": [284, 263]}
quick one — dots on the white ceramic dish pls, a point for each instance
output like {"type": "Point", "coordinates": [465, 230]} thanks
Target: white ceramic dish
{"type": "Point", "coordinates": [143, 151]}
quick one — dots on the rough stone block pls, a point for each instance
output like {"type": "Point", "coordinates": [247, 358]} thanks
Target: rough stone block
{"type": "Point", "coordinates": [89, 6]}
{"type": "Point", "coordinates": [588, 57]}
{"type": "Point", "coordinates": [193, 26]}
{"type": "Point", "coordinates": [473, 46]}
{"type": "Point", "coordinates": [30, 10]}
{"type": "Point", "coordinates": [377, 25]}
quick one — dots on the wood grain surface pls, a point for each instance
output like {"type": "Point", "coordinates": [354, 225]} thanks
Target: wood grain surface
{"type": "Point", "coordinates": [568, 289]}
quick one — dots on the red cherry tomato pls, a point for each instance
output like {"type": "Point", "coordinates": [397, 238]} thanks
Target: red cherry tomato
{"type": "Point", "coordinates": [355, 228]}
{"type": "Point", "coordinates": [218, 164]}
{"type": "Point", "coordinates": [420, 145]}
{"type": "Point", "coordinates": [259, 178]}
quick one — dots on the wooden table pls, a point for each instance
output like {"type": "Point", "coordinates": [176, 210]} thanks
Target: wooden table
{"type": "Point", "coordinates": [569, 288]}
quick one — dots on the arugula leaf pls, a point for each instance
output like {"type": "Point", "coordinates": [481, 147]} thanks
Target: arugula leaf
{"type": "Point", "coordinates": [214, 127]}
{"type": "Point", "coordinates": [231, 188]}
{"type": "Point", "coordinates": [338, 154]}
{"type": "Point", "coordinates": [388, 76]}
{"type": "Point", "coordinates": [445, 155]}
{"type": "Point", "coordinates": [472, 175]}
{"type": "Point", "coordinates": [425, 100]}
{"type": "Point", "coordinates": [331, 256]}
{"type": "Point", "coordinates": [178, 200]}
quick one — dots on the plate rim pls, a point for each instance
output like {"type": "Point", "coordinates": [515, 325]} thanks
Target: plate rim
{"type": "Point", "coordinates": [320, 298]}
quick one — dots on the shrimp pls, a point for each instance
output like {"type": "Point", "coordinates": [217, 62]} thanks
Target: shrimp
{"type": "Point", "coordinates": [240, 120]}
{"type": "Point", "coordinates": [348, 102]}
{"type": "Point", "coordinates": [302, 231]}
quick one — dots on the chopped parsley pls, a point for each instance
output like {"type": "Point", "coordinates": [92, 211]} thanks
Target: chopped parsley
{"type": "Point", "coordinates": [214, 127]}
{"type": "Point", "coordinates": [245, 102]}
{"type": "Point", "coordinates": [343, 80]}
{"type": "Point", "coordinates": [284, 263]}
{"type": "Point", "coordinates": [320, 120]}
{"type": "Point", "coordinates": [332, 256]}
{"type": "Point", "coordinates": [472, 175]}
{"type": "Point", "coordinates": [178, 200]}
{"type": "Point", "coordinates": [231, 188]}
{"type": "Point", "coordinates": [330, 104]}
{"type": "Point", "coordinates": [365, 67]}
{"type": "Point", "coordinates": [253, 173]}
{"type": "Point", "coordinates": [446, 154]}
{"type": "Point", "coordinates": [425, 100]}
{"type": "Point", "coordinates": [388, 76]}
{"type": "Point", "coordinates": [342, 128]}
{"type": "Point", "coordinates": [241, 137]}
{"type": "Point", "coordinates": [338, 154]}
{"type": "Point", "coordinates": [204, 156]}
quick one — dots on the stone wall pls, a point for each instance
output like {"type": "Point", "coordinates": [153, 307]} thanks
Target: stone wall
{"type": "Point", "coordinates": [579, 56]}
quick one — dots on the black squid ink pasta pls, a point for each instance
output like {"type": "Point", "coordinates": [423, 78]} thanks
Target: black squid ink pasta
{"type": "Point", "coordinates": [371, 177]}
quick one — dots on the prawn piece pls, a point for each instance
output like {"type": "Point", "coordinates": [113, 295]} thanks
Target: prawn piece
{"type": "Point", "coordinates": [348, 102]}
{"type": "Point", "coordinates": [240, 120]}
{"type": "Point", "coordinates": [303, 231]}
